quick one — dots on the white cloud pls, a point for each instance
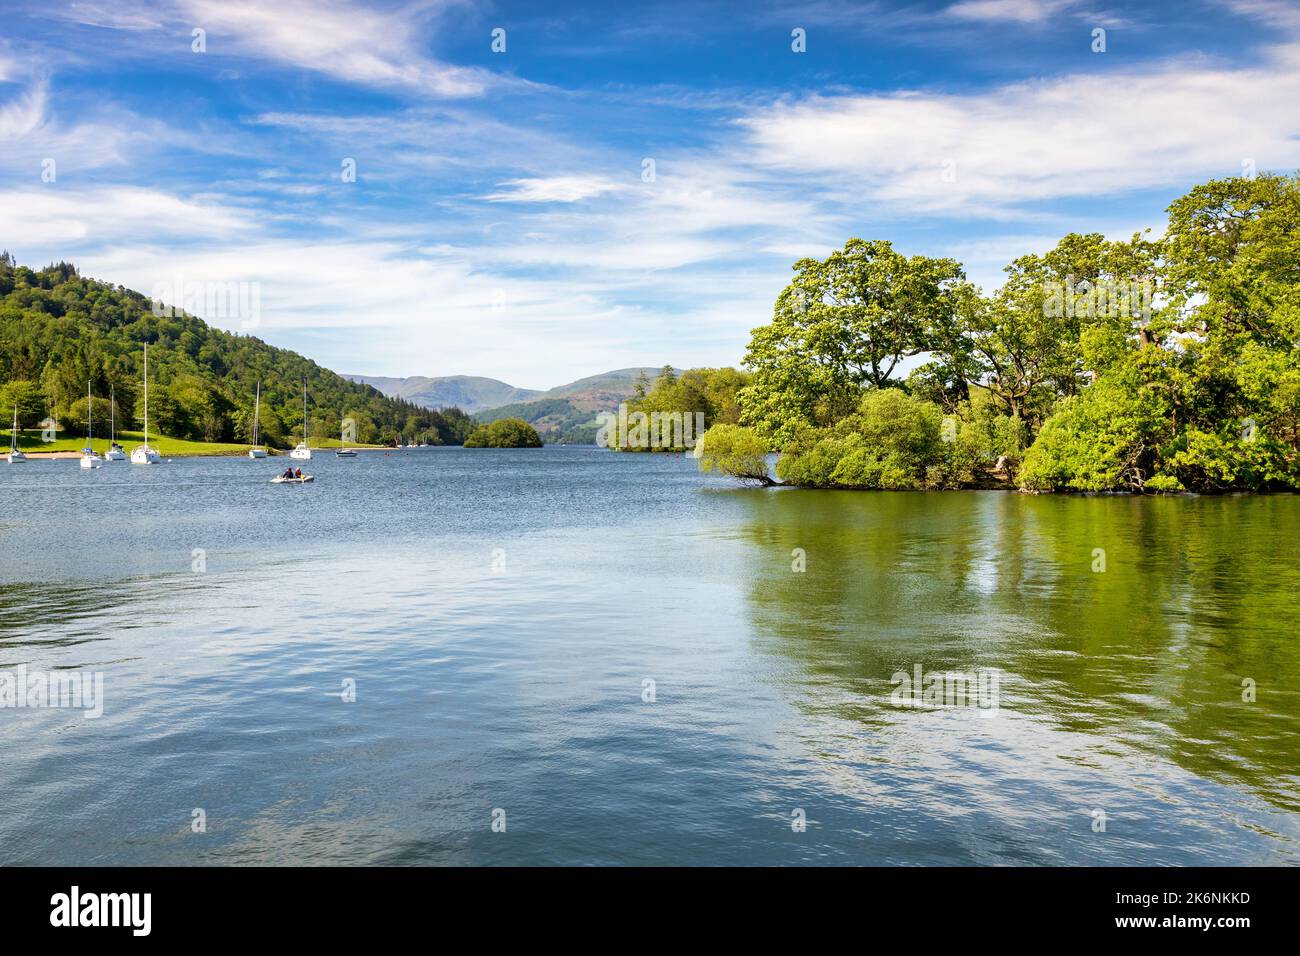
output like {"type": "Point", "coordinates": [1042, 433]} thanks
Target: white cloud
{"type": "Point", "coordinates": [554, 189]}
{"type": "Point", "coordinates": [51, 217]}
{"type": "Point", "coordinates": [1020, 11]}
{"type": "Point", "coordinates": [1082, 135]}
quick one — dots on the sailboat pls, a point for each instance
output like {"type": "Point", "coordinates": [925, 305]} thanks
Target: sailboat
{"type": "Point", "coordinates": [144, 455]}
{"type": "Point", "coordinates": [345, 452]}
{"type": "Point", "coordinates": [88, 457]}
{"type": "Point", "coordinates": [115, 451]}
{"type": "Point", "coordinates": [15, 456]}
{"type": "Point", "coordinates": [257, 451]}
{"type": "Point", "coordinates": [303, 451]}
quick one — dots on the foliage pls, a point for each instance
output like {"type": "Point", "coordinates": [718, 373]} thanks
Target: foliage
{"type": "Point", "coordinates": [672, 398]}
{"type": "Point", "coordinates": [504, 433]}
{"type": "Point", "coordinates": [736, 451]}
{"type": "Point", "coordinates": [843, 324]}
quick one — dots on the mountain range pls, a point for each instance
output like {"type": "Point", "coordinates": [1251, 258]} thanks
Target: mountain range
{"type": "Point", "coordinates": [473, 393]}
{"type": "Point", "coordinates": [566, 413]}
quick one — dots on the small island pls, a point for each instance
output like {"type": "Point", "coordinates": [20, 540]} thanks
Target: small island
{"type": "Point", "coordinates": [504, 433]}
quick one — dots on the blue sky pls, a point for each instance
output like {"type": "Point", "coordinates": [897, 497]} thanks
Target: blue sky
{"type": "Point", "coordinates": [500, 222]}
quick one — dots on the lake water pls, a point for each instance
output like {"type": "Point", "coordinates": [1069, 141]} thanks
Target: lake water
{"type": "Point", "coordinates": [499, 614]}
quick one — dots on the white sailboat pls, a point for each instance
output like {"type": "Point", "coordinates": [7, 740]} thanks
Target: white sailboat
{"type": "Point", "coordinates": [345, 452]}
{"type": "Point", "coordinates": [115, 451]}
{"type": "Point", "coordinates": [303, 451]}
{"type": "Point", "coordinates": [144, 455]}
{"type": "Point", "coordinates": [88, 457]}
{"type": "Point", "coordinates": [15, 456]}
{"type": "Point", "coordinates": [257, 451]}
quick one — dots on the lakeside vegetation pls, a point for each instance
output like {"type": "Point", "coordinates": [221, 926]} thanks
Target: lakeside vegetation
{"type": "Point", "coordinates": [1146, 365]}
{"type": "Point", "coordinates": [504, 433]}
{"type": "Point", "coordinates": [670, 406]}
{"type": "Point", "coordinates": [60, 331]}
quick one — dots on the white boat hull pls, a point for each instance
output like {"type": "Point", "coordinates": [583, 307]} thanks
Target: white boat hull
{"type": "Point", "coordinates": [281, 480]}
{"type": "Point", "coordinates": [91, 461]}
{"type": "Point", "coordinates": [144, 455]}
{"type": "Point", "coordinates": [300, 454]}
{"type": "Point", "coordinates": [257, 453]}
{"type": "Point", "coordinates": [16, 458]}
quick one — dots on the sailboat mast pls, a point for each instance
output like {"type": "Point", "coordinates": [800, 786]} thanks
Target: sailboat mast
{"type": "Point", "coordinates": [90, 421]}
{"type": "Point", "coordinates": [146, 395]}
{"type": "Point", "coordinates": [13, 443]}
{"type": "Point", "coordinates": [304, 414]}
{"type": "Point", "coordinates": [112, 414]}
{"type": "Point", "coordinates": [257, 410]}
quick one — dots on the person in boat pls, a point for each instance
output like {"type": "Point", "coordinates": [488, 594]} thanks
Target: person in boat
{"type": "Point", "coordinates": [288, 473]}
{"type": "Point", "coordinates": [297, 472]}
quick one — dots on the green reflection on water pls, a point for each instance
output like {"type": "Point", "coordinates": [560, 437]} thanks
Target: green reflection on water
{"type": "Point", "coordinates": [1147, 656]}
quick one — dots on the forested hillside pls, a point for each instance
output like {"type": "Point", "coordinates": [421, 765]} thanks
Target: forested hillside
{"type": "Point", "coordinates": [60, 331]}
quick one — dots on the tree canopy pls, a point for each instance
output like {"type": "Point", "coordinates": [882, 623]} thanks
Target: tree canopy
{"type": "Point", "coordinates": [504, 433]}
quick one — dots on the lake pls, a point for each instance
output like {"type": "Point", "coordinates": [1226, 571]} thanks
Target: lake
{"type": "Point", "coordinates": [570, 656]}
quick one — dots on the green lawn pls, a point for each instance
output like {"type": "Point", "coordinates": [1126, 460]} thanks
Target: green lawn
{"type": "Point", "coordinates": [30, 440]}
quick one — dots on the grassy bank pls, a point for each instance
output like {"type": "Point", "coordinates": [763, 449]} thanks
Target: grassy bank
{"type": "Point", "coordinates": [30, 441]}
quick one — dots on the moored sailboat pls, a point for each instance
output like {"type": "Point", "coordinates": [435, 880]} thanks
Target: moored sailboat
{"type": "Point", "coordinates": [88, 457]}
{"type": "Point", "coordinates": [15, 456]}
{"type": "Point", "coordinates": [257, 451]}
{"type": "Point", "coordinates": [144, 455]}
{"type": "Point", "coordinates": [115, 451]}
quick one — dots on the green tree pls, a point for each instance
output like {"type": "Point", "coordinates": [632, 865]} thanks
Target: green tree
{"type": "Point", "coordinates": [28, 398]}
{"type": "Point", "coordinates": [844, 324]}
{"type": "Point", "coordinates": [505, 433]}
{"type": "Point", "coordinates": [736, 451]}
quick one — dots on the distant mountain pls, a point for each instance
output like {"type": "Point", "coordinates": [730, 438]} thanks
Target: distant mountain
{"type": "Point", "coordinates": [476, 394]}
{"type": "Point", "coordinates": [468, 392]}
{"type": "Point", "coordinates": [568, 412]}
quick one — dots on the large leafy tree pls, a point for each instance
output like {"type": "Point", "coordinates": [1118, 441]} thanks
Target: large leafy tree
{"type": "Point", "coordinates": [845, 324]}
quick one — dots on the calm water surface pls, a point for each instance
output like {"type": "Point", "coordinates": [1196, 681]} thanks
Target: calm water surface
{"type": "Point", "coordinates": [501, 611]}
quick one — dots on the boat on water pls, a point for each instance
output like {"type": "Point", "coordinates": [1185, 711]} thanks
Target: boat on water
{"type": "Point", "coordinates": [88, 457]}
{"type": "Point", "coordinates": [303, 451]}
{"type": "Point", "coordinates": [257, 451]}
{"type": "Point", "coordinates": [295, 480]}
{"type": "Point", "coordinates": [144, 455]}
{"type": "Point", "coordinates": [115, 451]}
{"type": "Point", "coordinates": [15, 456]}
{"type": "Point", "coordinates": [346, 453]}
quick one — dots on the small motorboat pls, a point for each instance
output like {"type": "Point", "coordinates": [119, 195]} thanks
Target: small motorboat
{"type": "Point", "coordinates": [285, 480]}
{"type": "Point", "coordinates": [346, 453]}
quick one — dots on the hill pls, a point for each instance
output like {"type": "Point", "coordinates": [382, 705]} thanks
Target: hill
{"type": "Point", "coordinates": [470, 393]}
{"type": "Point", "coordinates": [60, 331]}
{"type": "Point", "coordinates": [567, 413]}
